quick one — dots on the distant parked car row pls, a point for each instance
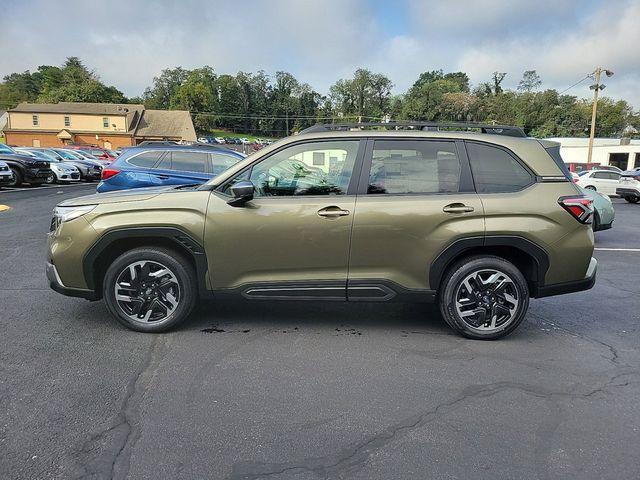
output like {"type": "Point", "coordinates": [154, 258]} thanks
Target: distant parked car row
{"type": "Point", "coordinates": [38, 165]}
{"type": "Point", "coordinates": [235, 141]}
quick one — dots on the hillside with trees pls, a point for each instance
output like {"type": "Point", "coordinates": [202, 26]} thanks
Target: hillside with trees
{"type": "Point", "coordinates": [276, 105]}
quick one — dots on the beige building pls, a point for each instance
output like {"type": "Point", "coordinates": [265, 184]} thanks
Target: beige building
{"type": "Point", "coordinates": [106, 125]}
{"type": "Point", "coordinates": [621, 153]}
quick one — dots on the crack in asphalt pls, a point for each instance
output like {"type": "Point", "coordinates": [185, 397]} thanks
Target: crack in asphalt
{"type": "Point", "coordinates": [352, 458]}
{"type": "Point", "coordinates": [114, 461]}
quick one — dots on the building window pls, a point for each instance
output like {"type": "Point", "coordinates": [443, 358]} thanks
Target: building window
{"type": "Point", "coordinates": [105, 122]}
{"type": "Point", "coordinates": [67, 121]}
{"type": "Point", "coordinates": [35, 120]}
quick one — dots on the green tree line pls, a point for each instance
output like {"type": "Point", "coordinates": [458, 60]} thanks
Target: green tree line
{"type": "Point", "coordinates": [276, 105]}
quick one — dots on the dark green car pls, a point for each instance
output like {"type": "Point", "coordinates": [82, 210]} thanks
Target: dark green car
{"type": "Point", "coordinates": [478, 221]}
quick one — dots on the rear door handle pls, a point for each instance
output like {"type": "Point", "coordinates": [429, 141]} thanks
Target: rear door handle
{"type": "Point", "coordinates": [162, 177]}
{"type": "Point", "coordinates": [332, 212]}
{"type": "Point", "coordinates": [457, 208]}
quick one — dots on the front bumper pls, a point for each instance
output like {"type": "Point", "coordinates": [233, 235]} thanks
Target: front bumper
{"type": "Point", "coordinates": [570, 287]}
{"type": "Point", "coordinates": [56, 284]}
{"type": "Point", "coordinates": [37, 174]}
{"type": "Point", "coordinates": [6, 179]}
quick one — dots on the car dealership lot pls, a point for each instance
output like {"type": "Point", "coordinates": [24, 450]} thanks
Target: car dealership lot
{"type": "Point", "coordinates": [314, 390]}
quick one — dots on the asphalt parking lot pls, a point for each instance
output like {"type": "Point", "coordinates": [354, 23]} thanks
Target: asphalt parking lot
{"type": "Point", "coordinates": [314, 390]}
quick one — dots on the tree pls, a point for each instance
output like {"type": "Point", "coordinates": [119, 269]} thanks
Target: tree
{"type": "Point", "coordinates": [365, 96]}
{"type": "Point", "coordinates": [497, 79]}
{"type": "Point", "coordinates": [530, 81]}
{"type": "Point", "coordinates": [164, 87]}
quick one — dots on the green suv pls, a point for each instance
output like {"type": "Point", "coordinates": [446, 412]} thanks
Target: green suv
{"type": "Point", "coordinates": [479, 219]}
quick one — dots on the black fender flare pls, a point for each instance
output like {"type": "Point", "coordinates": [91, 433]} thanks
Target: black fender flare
{"type": "Point", "coordinates": [180, 238]}
{"type": "Point", "coordinates": [460, 246]}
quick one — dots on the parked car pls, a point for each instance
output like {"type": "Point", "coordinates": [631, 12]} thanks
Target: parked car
{"type": "Point", "coordinates": [603, 181]}
{"type": "Point", "coordinates": [62, 172]}
{"type": "Point", "coordinates": [478, 222]}
{"type": "Point", "coordinates": [163, 165]}
{"type": "Point", "coordinates": [81, 155]}
{"type": "Point", "coordinates": [604, 214]}
{"type": "Point", "coordinates": [90, 171]}
{"type": "Point", "coordinates": [629, 187]}
{"type": "Point", "coordinates": [26, 169]}
{"type": "Point", "coordinates": [97, 152]}
{"type": "Point", "coordinates": [244, 141]}
{"type": "Point", "coordinates": [6, 176]}
{"type": "Point", "coordinates": [220, 140]}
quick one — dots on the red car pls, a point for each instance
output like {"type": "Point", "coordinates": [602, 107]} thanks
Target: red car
{"type": "Point", "coordinates": [98, 152]}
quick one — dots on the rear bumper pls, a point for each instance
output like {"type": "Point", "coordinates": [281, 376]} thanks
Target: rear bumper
{"type": "Point", "coordinates": [570, 287]}
{"type": "Point", "coordinates": [6, 179]}
{"type": "Point", "coordinates": [56, 284]}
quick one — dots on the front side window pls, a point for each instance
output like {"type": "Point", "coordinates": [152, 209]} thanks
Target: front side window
{"type": "Point", "coordinates": [67, 121]}
{"type": "Point", "coordinates": [188, 161]}
{"type": "Point", "coordinates": [145, 159]}
{"type": "Point", "coordinates": [296, 170]}
{"type": "Point", "coordinates": [105, 122]}
{"type": "Point", "coordinates": [495, 170]}
{"type": "Point", "coordinates": [414, 167]}
{"type": "Point", "coordinates": [35, 120]}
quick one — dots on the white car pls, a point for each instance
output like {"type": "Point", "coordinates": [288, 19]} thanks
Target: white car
{"type": "Point", "coordinates": [6, 175]}
{"type": "Point", "coordinates": [603, 181]}
{"type": "Point", "coordinates": [221, 140]}
{"type": "Point", "coordinates": [244, 141]}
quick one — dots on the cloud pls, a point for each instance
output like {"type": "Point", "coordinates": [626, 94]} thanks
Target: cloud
{"type": "Point", "coordinates": [129, 42]}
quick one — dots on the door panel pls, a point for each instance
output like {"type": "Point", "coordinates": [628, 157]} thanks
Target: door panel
{"type": "Point", "coordinates": [278, 239]}
{"type": "Point", "coordinates": [397, 237]}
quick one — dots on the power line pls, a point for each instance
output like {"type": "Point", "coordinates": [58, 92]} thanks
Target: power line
{"type": "Point", "coordinates": [575, 84]}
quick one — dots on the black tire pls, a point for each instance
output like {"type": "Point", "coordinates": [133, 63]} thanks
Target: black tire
{"type": "Point", "coordinates": [50, 180]}
{"type": "Point", "coordinates": [591, 187]}
{"type": "Point", "coordinates": [595, 225]}
{"type": "Point", "coordinates": [631, 199]}
{"type": "Point", "coordinates": [17, 178]}
{"type": "Point", "coordinates": [452, 285]}
{"type": "Point", "coordinates": [183, 274]}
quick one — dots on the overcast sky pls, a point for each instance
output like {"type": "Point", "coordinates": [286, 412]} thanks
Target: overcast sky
{"type": "Point", "coordinates": [128, 42]}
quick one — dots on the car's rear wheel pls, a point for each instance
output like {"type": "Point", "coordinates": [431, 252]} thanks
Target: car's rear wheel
{"type": "Point", "coordinates": [590, 187]}
{"type": "Point", "coordinates": [484, 297]}
{"type": "Point", "coordinates": [150, 289]}
{"type": "Point", "coordinates": [631, 199]}
{"type": "Point", "coordinates": [16, 179]}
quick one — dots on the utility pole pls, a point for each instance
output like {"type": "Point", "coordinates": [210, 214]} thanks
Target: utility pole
{"type": "Point", "coordinates": [596, 87]}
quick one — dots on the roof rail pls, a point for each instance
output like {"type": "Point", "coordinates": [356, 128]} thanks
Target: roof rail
{"type": "Point", "coordinates": [508, 130]}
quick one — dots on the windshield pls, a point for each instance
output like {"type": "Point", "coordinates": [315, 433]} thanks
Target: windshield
{"type": "Point", "coordinates": [65, 154]}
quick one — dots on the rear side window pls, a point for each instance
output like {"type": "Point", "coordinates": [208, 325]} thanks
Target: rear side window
{"type": "Point", "coordinates": [145, 159]}
{"type": "Point", "coordinates": [414, 167]}
{"type": "Point", "coordinates": [188, 161]}
{"type": "Point", "coordinates": [495, 170]}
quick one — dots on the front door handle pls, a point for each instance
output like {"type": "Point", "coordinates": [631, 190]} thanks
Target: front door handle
{"type": "Point", "coordinates": [457, 208]}
{"type": "Point", "coordinates": [332, 212]}
{"type": "Point", "coordinates": [162, 177]}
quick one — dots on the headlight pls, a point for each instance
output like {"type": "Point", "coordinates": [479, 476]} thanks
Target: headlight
{"type": "Point", "coordinates": [64, 214]}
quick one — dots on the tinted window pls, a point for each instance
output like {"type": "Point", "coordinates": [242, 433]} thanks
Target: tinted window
{"type": "Point", "coordinates": [415, 166]}
{"type": "Point", "coordinates": [145, 159]}
{"type": "Point", "coordinates": [601, 175]}
{"type": "Point", "coordinates": [292, 171]}
{"type": "Point", "coordinates": [5, 149]}
{"type": "Point", "coordinates": [495, 170]}
{"type": "Point", "coordinates": [614, 176]}
{"type": "Point", "coordinates": [165, 162]}
{"type": "Point", "coordinates": [188, 161]}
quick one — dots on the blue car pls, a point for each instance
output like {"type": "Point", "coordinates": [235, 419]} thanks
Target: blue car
{"type": "Point", "coordinates": [165, 165]}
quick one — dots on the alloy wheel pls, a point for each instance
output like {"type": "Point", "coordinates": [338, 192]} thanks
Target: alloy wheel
{"type": "Point", "coordinates": [147, 291]}
{"type": "Point", "coordinates": [487, 300]}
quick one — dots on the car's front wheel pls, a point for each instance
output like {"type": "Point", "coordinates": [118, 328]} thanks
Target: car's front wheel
{"type": "Point", "coordinates": [16, 178]}
{"type": "Point", "coordinates": [484, 297]}
{"type": "Point", "coordinates": [150, 289]}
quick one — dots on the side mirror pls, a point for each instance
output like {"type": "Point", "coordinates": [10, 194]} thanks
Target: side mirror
{"type": "Point", "coordinates": [242, 193]}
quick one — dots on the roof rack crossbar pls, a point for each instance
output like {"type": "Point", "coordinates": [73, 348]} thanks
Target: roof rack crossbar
{"type": "Point", "coordinates": [508, 130]}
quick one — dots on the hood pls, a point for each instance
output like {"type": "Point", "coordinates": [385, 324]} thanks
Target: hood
{"type": "Point", "coordinates": [119, 196]}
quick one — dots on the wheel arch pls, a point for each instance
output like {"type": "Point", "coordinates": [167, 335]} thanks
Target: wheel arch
{"type": "Point", "coordinates": [531, 259]}
{"type": "Point", "coordinates": [116, 242]}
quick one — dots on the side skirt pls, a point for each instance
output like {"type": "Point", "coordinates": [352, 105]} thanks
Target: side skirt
{"type": "Point", "coordinates": [370, 290]}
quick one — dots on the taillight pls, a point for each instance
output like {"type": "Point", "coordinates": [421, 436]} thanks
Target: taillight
{"type": "Point", "coordinates": [580, 207]}
{"type": "Point", "coordinates": [109, 172]}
